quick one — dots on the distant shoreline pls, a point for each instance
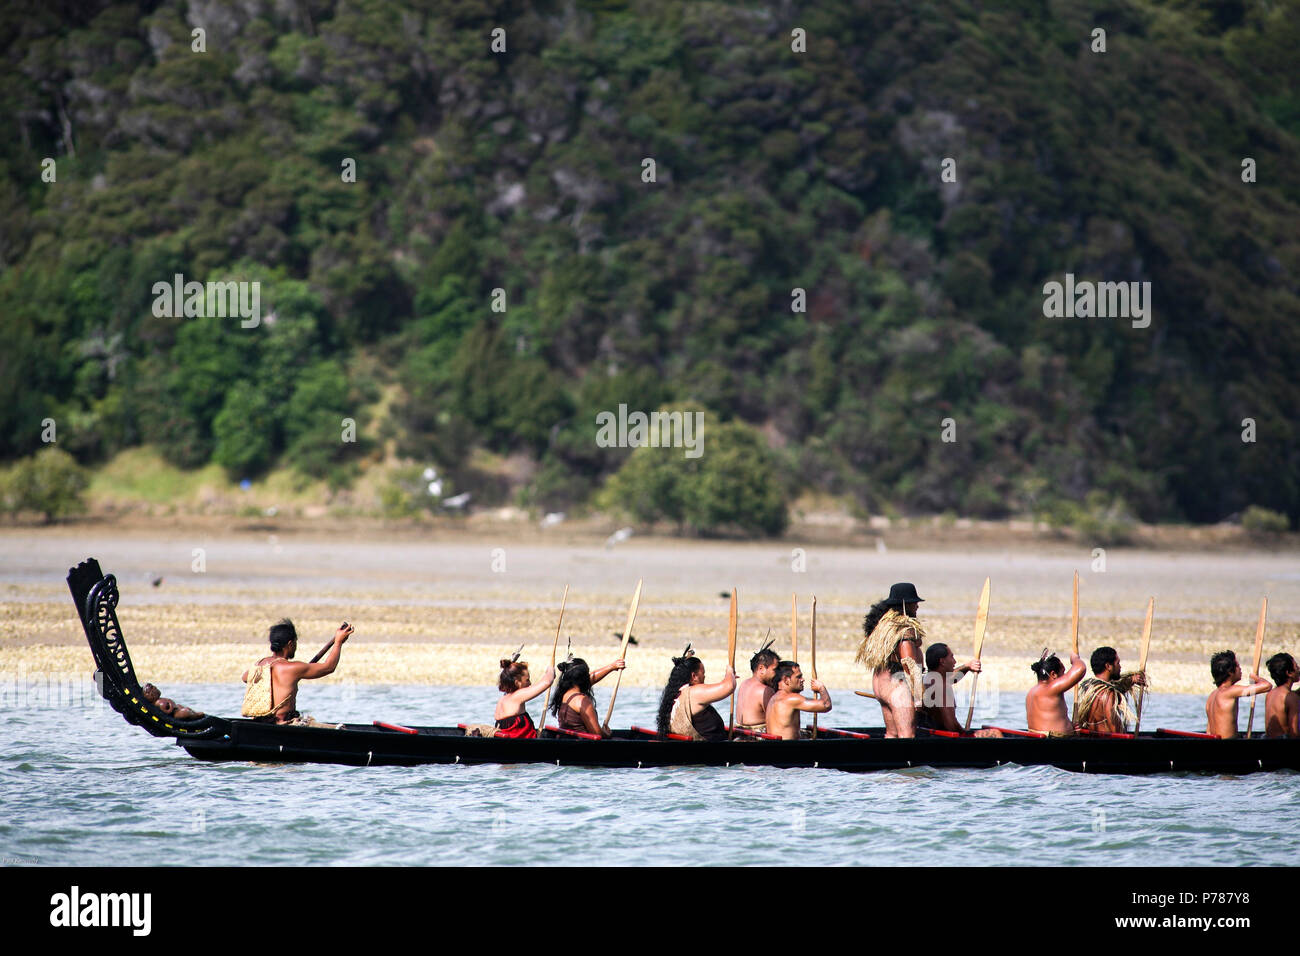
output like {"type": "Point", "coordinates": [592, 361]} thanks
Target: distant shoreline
{"type": "Point", "coordinates": [821, 528]}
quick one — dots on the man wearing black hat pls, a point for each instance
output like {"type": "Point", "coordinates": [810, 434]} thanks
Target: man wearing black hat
{"type": "Point", "coordinates": [891, 648]}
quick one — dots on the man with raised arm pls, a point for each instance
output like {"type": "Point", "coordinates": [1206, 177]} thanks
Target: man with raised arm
{"type": "Point", "coordinates": [1045, 709]}
{"type": "Point", "coordinates": [1282, 705]}
{"type": "Point", "coordinates": [272, 693]}
{"type": "Point", "coordinates": [1221, 705]}
{"type": "Point", "coordinates": [1103, 698]}
{"type": "Point", "coordinates": [782, 717]}
{"type": "Point", "coordinates": [755, 691]}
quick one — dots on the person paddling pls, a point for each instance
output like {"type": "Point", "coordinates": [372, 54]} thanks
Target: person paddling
{"type": "Point", "coordinates": [938, 709]}
{"type": "Point", "coordinates": [1282, 705]}
{"type": "Point", "coordinates": [1221, 705]}
{"type": "Point", "coordinates": [788, 702]}
{"type": "Point", "coordinates": [757, 689]}
{"type": "Point", "coordinates": [573, 704]}
{"type": "Point", "coordinates": [1103, 698]}
{"type": "Point", "coordinates": [685, 707]}
{"type": "Point", "coordinates": [517, 689]}
{"type": "Point", "coordinates": [272, 693]}
{"type": "Point", "coordinates": [1045, 710]}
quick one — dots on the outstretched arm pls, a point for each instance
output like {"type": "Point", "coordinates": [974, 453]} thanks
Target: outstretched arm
{"type": "Point", "coordinates": [600, 673]}
{"type": "Point", "coordinates": [534, 690]}
{"type": "Point", "coordinates": [970, 667]}
{"type": "Point", "coordinates": [711, 693]}
{"type": "Point", "coordinates": [1258, 686]}
{"type": "Point", "coordinates": [820, 706]}
{"type": "Point", "coordinates": [326, 667]}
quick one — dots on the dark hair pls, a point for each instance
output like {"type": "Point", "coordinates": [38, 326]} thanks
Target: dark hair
{"type": "Point", "coordinates": [1221, 665]}
{"type": "Point", "coordinates": [765, 656]}
{"type": "Point", "coordinates": [574, 673]}
{"type": "Point", "coordinates": [281, 634]}
{"type": "Point", "coordinates": [512, 672]}
{"type": "Point", "coordinates": [1278, 666]}
{"type": "Point", "coordinates": [684, 668]}
{"type": "Point", "coordinates": [1046, 667]}
{"type": "Point", "coordinates": [1102, 658]}
{"type": "Point", "coordinates": [934, 654]}
{"type": "Point", "coordinates": [874, 614]}
{"type": "Point", "coordinates": [784, 669]}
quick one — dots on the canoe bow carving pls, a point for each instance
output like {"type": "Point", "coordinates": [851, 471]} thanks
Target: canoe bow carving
{"type": "Point", "coordinates": [96, 596]}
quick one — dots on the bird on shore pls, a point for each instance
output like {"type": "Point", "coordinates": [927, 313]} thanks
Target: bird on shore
{"type": "Point", "coordinates": [621, 535]}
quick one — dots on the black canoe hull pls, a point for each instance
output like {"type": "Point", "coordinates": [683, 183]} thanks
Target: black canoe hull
{"type": "Point", "coordinates": [216, 738]}
{"type": "Point", "coordinates": [365, 746]}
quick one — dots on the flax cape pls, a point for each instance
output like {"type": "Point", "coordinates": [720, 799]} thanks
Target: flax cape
{"type": "Point", "coordinates": [878, 647]}
{"type": "Point", "coordinates": [257, 696]}
{"type": "Point", "coordinates": [1122, 688]}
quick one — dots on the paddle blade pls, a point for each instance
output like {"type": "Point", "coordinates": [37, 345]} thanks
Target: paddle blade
{"type": "Point", "coordinates": [1259, 633]}
{"type": "Point", "coordinates": [982, 618]}
{"type": "Point", "coordinates": [1146, 634]}
{"type": "Point", "coordinates": [1259, 652]}
{"type": "Point", "coordinates": [564, 599]}
{"type": "Point", "coordinates": [814, 641]}
{"type": "Point", "coordinates": [731, 631]}
{"type": "Point", "coordinates": [546, 704]}
{"type": "Point", "coordinates": [1142, 662]}
{"type": "Point", "coordinates": [1074, 616]}
{"type": "Point", "coordinates": [631, 616]}
{"type": "Point", "coordinates": [981, 625]}
{"type": "Point", "coordinates": [627, 633]}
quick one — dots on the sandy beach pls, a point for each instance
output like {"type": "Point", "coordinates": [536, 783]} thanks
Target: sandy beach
{"type": "Point", "coordinates": [441, 608]}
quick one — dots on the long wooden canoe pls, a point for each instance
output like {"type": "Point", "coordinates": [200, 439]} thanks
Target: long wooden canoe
{"type": "Point", "coordinates": [853, 749]}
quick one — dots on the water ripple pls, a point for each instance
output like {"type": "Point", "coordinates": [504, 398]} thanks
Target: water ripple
{"type": "Point", "coordinates": [81, 789]}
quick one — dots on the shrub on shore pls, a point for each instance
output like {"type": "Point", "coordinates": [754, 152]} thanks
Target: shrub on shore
{"type": "Point", "coordinates": [1261, 522]}
{"type": "Point", "coordinates": [49, 483]}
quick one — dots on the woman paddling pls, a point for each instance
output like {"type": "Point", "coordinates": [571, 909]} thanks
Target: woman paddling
{"type": "Point", "coordinates": [685, 707]}
{"type": "Point", "coordinates": [517, 689]}
{"type": "Point", "coordinates": [574, 706]}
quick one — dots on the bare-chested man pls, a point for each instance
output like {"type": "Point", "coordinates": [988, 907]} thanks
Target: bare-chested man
{"type": "Point", "coordinates": [1045, 709]}
{"type": "Point", "coordinates": [756, 691]}
{"type": "Point", "coordinates": [1103, 698]}
{"type": "Point", "coordinates": [285, 672]}
{"type": "Point", "coordinates": [891, 648]}
{"type": "Point", "coordinates": [1282, 705]}
{"type": "Point", "coordinates": [938, 709]}
{"type": "Point", "coordinates": [1221, 705]}
{"type": "Point", "coordinates": [787, 701]}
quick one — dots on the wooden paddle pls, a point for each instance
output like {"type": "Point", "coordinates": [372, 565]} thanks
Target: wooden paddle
{"type": "Point", "coordinates": [1259, 650]}
{"type": "Point", "coordinates": [1074, 639]}
{"type": "Point", "coordinates": [1142, 660]}
{"type": "Point", "coordinates": [814, 656]}
{"type": "Point", "coordinates": [731, 656]}
{"type": "Point", "coordinates": [794, 631]}
{"type": "Point", "coordinates": [981, 623]}
{"type": "Point", "coordinates": [558, 624]}
{"type": "Point", "coordinates": [627, 632]}
{"type": "Point", "coordinates": [866, 693]}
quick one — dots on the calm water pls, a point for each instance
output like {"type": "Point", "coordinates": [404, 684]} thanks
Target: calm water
{"type": "Point", "coordinates": [80, 787]}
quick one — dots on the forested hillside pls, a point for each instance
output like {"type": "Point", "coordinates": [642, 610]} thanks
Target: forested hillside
{"type": "Point", "coordinates": [775, 170]}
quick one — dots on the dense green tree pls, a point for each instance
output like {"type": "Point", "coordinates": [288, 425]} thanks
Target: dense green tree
{"type": "Point", "coordinates": [775, 172]}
